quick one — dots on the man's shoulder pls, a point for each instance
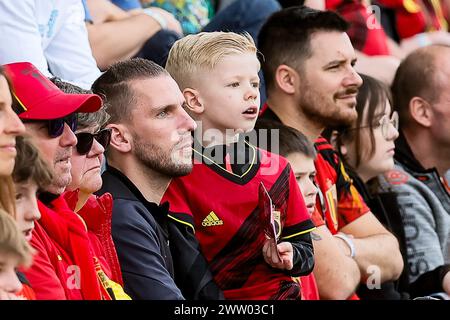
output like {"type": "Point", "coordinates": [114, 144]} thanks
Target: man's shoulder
{"type": "Point", "coordinates": [406, 186]}
{"type": "Point", "coordinates": [117, 184]}
{"type": "Point", "coordinates": [415, 186]}
{"type": "Point", "coordinates": [126, 211]}
{"type": "Point", "coordinates": [397, 177]}
{"type": "Point", "coordinates": [127, 208]}
{"type": "Point", "coordinates": [325, 150]}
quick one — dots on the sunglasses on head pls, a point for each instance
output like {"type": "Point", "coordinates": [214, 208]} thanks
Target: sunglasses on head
{"type": "Point", "coordinates": [86, 140]}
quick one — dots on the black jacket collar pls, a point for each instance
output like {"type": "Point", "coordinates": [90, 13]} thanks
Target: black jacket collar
{"type": "Point", "coordinates": [405, 156]}
{"type": "Point", "coordinates": [116, 183]}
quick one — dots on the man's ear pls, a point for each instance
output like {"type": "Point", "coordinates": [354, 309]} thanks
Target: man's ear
{"type": "Point", "coordinates": [287, 79]}
{"type": "Point", "coordinates": [120, 137]}
{"type": "Point", "coordinates": [193, 101]}
{"type": "Point", "coordinates": [420, 111]}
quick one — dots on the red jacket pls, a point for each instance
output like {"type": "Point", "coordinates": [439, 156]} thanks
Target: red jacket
{"type": "Point", "coordinates": [97, 214]}
{"type": "Point", "coordinates": [64, 267]}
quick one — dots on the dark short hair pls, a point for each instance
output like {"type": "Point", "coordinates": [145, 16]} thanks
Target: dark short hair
{"type": "Point", "coordinates": [30, 165]}
{"type": "Point", "coordinates": [290, 140]}
{"type": "Point", "coordinates": [371, 94]}
{"type": "Point", "coordinates": [113, 86]}
{"type": "Point", "coordinates": [285, 38]}
{"type": "Point", "coordinates": [416, 77]}
{"type": "Point", "coordinates": [85, 120]}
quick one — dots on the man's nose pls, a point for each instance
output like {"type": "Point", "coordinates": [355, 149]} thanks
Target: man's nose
{"type": "Point", "coordinates": [68, 138]}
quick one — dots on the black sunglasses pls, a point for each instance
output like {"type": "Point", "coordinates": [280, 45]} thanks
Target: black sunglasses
{"type": "Point", "coordinates": [55, 127]}
{"type": "Point", "coordinates": [86, 140]}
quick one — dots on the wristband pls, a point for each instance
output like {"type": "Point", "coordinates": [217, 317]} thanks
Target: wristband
{"type": "Point", "coordinates": [158, 18]}
{"type": "Point", "coordinates": [348, 241]}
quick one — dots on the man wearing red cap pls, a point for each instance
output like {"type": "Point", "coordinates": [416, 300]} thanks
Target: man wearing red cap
{"type": "Point", "coordinates": [64, 266]}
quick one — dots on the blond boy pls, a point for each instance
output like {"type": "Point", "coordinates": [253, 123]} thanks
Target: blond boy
{"type": "Point", "coordinates": [218, 74]}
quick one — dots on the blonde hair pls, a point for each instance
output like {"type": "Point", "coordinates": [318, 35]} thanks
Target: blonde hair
{"type": "Point", "coordinates": [202, 51]}
{"type": "Point", "coordinates": [12, 241]}
{"type": "Point", "coordinates": [7, 195]}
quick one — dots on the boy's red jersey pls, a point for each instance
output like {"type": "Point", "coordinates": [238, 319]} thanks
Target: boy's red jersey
{"type": "Point", "coordinates": [224, 210]}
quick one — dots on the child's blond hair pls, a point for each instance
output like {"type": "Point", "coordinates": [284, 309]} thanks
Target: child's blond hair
{"type": "Point", "coordinates": [202, 51]}
{"type": "Point", "coordinates": [12, 241]}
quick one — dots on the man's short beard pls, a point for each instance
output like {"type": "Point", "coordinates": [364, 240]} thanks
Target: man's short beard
{"type": "Point", "coordinates": [327, 120]}
{"type": "Point", "coordinates": [156, 159]}
{"type": "Point", "coordinates": [58, 185]}
{"type": "Point", "coordinates": [313, 109]}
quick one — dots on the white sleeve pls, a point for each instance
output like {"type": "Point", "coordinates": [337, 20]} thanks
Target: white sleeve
{"type": "Point", "coordinates": [69, 54]}
{"type": "Point", "coordinates": [20, 39]}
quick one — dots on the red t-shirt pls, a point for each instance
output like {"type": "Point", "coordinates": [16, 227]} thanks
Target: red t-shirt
{"type": "Point", "coordinates": [224, 207]}
{"type": "Point", "coordinates": [63, 266]}
{"type": "Point", "coordinates": [339, 203]}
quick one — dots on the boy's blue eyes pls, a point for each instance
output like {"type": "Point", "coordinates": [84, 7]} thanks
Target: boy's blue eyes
{"type": "Point", "coordinates": [236, 84]}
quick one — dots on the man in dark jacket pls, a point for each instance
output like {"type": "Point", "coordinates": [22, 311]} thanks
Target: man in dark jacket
{"type": "Point", "coordinates": [151, 143]}
{"type": "Point", "coordinates": [421, 97]}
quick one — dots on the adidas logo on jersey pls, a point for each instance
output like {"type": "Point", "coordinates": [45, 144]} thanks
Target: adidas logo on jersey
{"type": "Point", "coordinates": [212, 220]}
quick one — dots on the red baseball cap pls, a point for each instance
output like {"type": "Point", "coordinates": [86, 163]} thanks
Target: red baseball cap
{"type": "Point", "coordinates": [40, 99]}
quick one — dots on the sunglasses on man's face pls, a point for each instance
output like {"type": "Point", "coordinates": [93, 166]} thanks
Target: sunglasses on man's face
{"type": "Point", "coordinates": [55, 127]}
{"type": "Point", "coordinates": [86, 140]}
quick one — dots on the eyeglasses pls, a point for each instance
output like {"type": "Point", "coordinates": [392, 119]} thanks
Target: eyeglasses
{"type": "Point", "coordinates": [55, 127]}
{"type": "Point", "coordinates": [86, 140]}
{"type": "Point", "coordinates": [385, 122]}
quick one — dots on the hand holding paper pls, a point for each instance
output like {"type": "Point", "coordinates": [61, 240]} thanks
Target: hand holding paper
{"type": "Point", "coordinates": [281, 257]}
{"type": "Point", "coordinates": [267, 221]}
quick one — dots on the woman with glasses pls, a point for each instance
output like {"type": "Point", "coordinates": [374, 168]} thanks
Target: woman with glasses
{"type": "Point", "coordinates": [367, 148]}
{"type": "Point", "coordinates": [88, 155]}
